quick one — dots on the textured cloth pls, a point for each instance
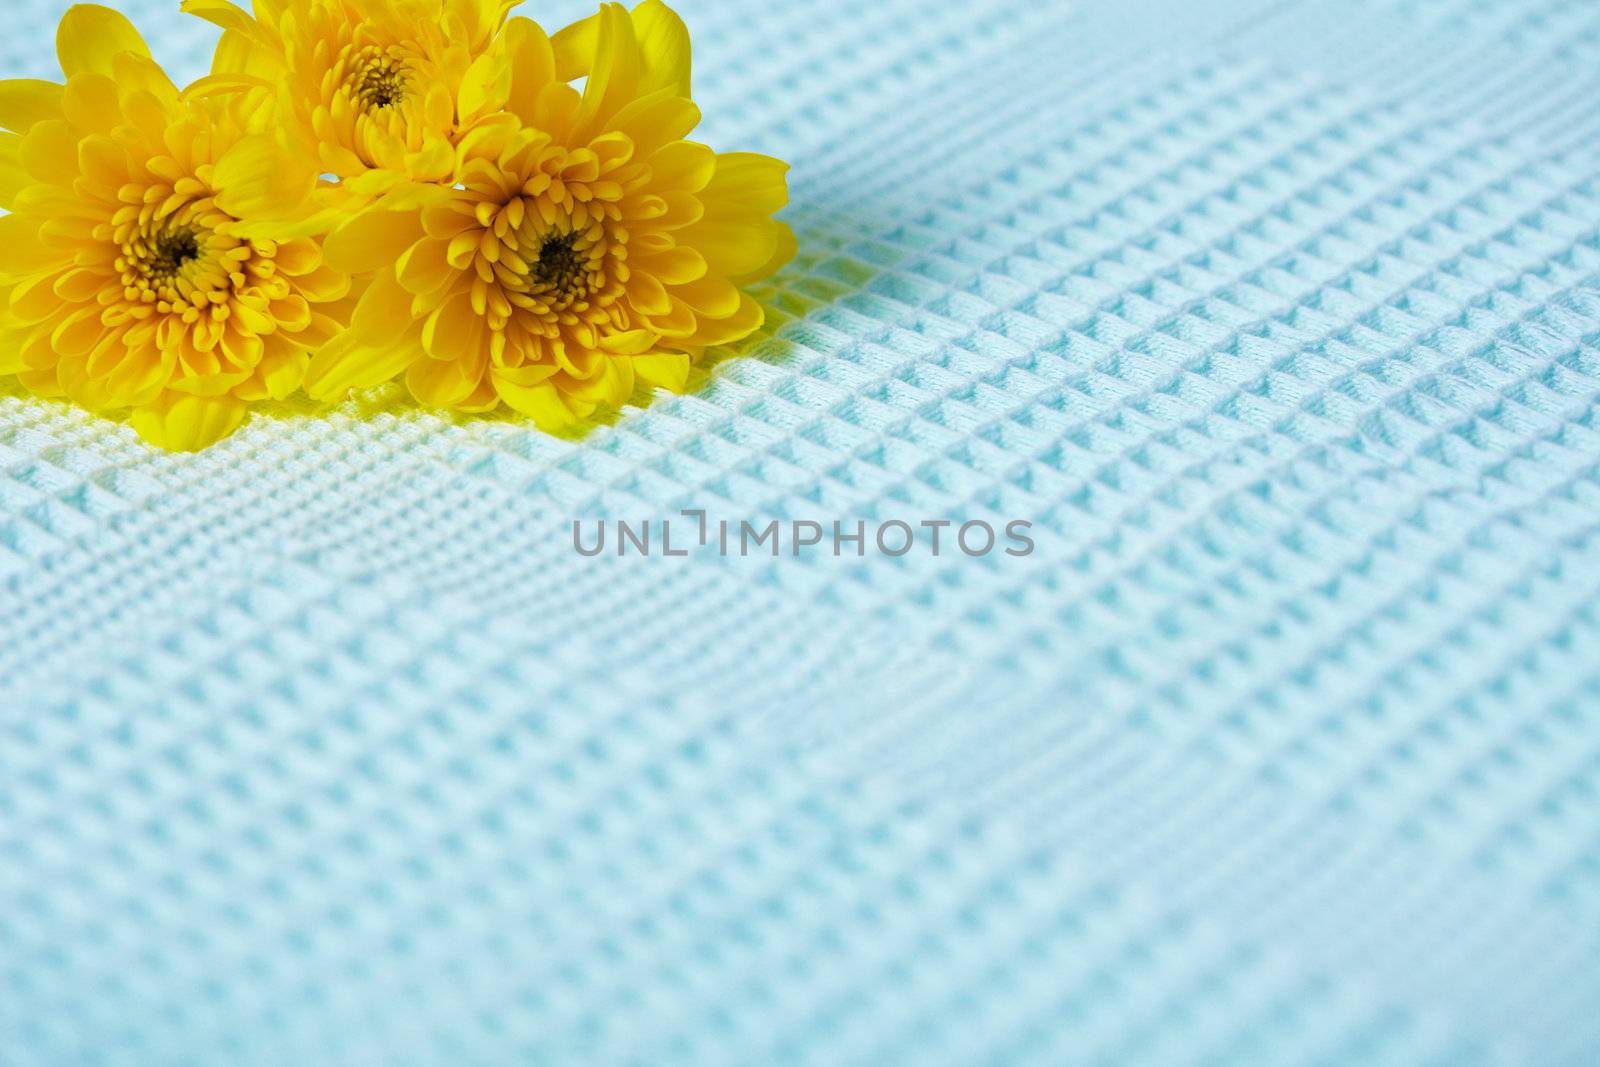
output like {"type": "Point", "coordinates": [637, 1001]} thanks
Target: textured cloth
{"type": "Point", "coordinates": [1280, 321]}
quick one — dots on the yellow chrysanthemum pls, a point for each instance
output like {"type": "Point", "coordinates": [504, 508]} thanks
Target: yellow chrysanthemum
{"type": "Point", "coordinates": [129, 279]}
{"type": "Point", "coordinates": [368, 93]}
{"type": "Point", "coordinates": [584, 240]}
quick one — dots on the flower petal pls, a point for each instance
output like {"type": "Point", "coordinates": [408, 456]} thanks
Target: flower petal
{"type": "Point", "coordinates": [13, 178]}
{"type": "Point", "coordinates": [573, 48]}
{"type": "Point", "coordinates": [712, 296]}
{"type": "Point", "coordinates": [382, 342]}
{"type": "Point", "coordinates": [423, 268]}
{"type": "Point", "coordinates": [731, 247]}
{"type": "Point", "coordinates": [49, 152]}
{"type": "Point", "coordinates": [346, 364]}
{"type": "Point", "coordinates": [484, 89]}
{"type": "Point", "coordinates": [453, 331]}
{"type": "Point", "coordinates": [747, 183]}
{"type": "Point", "coordinates": [25, 101]}
{"type": "Point", "coordinates": [655, 120]}
{"type": "Point", "coordinates": [445, 383]}
{"type": "Point", "coordinates": [90, 35]}
{"type": "Point", "coordinates": [533, 65]}
{"type": "Point", "coordinates": [372, 240]}
{"type": "Point", "coordinates": [663, 48]}
{"type": "Point", "coordinates": [181, 423]}
{"type": "Point", "coordinates": [23, 249]}
{"type": "Point", "coordinates": [669, 370]}
{"type": "Point", "coordinates": [685, 165]}
{"type": "Point", "coordinates": [258, 178]}
{"type": "Point", "coordinates": [542, 403]}
{"type": "Point", "coordinates": [223, 14]}
{"type": "Point", "coordinates": [614, 77]}
{"type": "Point", "coordinates": [736, 327]}
{"type": "Point", "coordinates": [629, 343]}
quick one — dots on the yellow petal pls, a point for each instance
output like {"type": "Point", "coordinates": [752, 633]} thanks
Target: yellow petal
{"type": "Point", "coordinates": [647, 295]}
{"type": "Point", "coordinates": [11, 342]}
{"type": "Point", "coordinates": [782, 252]}
{"type": "Point", "coordinates": [90, 35]}
{"type": "Point", "coordinates": [541, 402]}
{"type": "Point", "coordinates": [424, 269]}
{"type": "Point", "coordinates": [484, 89]}
{"type": "Point", "coordinates": [103, 162]}
{"type": "Point", "coordinates": [527, 374]}
{"type": "Point", "coordinates": [49, 152]}
{"type": "Point", "coordinates": [573, 48]}
{"type": "Point", "coordinates": [747, 183]}
{"type": "Point", "coordinates": [42, 381]}
{"type": "Point", "coordinates": [663, 48]}
{"type": "Point", "coordinates": [434, 160]}
{"type": "Point", "coordinates": [78, 333]}
{"type": "Point", "coordinates": [739, 325]}
{"type": "Point", "coordinates": [478, 19]}
{"type": "Point", "coordinates": [654, 120]}
{"type": "Point", "coordinates": [243, 54]}
{"type": "Point", "coordinates": [481, 399]}
{"type": "Point", "coordinates": [75, 286]}
{"type": "Point", "coordinates": [134, 72]}
{"type": "Point", "coordinates": [711, 296]}
{"type": "Point", "coordinates": [614, 79]}
{"type": "Point", "coordinates": [257, 178]}
{"type": "Point", "coordinates": [86, 390]}
{"type": "Point", "coordinates": [282, 375]}
{"type": "Point", "coordinates": [533, 65]}
{"type": "Point", "coordinates": [681, 209]}
{"type": "Point", "coordinates": [383, 314]}
{"type": "Point", "coordinates": [444, 383]}
{"type": "Point", "coordinates": [91, 103]}
{"type": "Point", "coordinates": [684, 165]}
{"type": "Point", "coordinates": [323, 285]}
{"type": "Point", "coordinates": [25, 101]}
{"type": "Point", "coordinates": [382, 342]}
{"type": "Point", "coordinates": [13, 178]}
{"type": "Point", "coordinates": [609, 386]}
{"type": "Point", "coordinates": [374, 239]}
{"type": "Point", "coordinates": [148, 114]}
{"type": "Point", "coordinates": [674, 266]}
{"type": "Point", "coordinates": [453, 331]}
{"type": "Point", "coordinates": [629, 342]}
{"type": "Point", "coordinates": [679, 320]}
{"type": "Point", "coordinates": [734, 248]}
{"type": "Point", "coordinates": [345, 365]}
{"type": "Point", "coordinates": [668, 370]}
{"type": "Point", "coordinates": [223, 14]}
{"type": "Point", "coordinates": [181, 423]}
{"type": "Point", "coordinates": [557, 109]}
{"type": "Point", "coordinates": [23, 249]}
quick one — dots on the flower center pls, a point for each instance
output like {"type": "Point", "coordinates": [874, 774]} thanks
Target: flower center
{"type": "Point", "coordinates": [171, 251]}
{"type": "Point", "coordinates": [162, 261]}
{"type": "Point", "coordinates": [566, 269]}
{"type": "Point", "coordinates": [559, 266]}
{"type": "Point", "coordinates": [381, 82]}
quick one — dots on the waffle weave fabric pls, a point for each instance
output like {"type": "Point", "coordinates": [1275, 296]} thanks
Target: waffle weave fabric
{"type": "Point", "coordinates": [1281, 322]}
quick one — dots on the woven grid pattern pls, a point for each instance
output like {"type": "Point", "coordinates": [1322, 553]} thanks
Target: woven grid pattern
{"type": "Point", "coordinates": [1280, 322]}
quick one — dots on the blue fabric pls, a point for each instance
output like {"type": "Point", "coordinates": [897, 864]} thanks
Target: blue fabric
{"type": "Point", "coordinates": [1280, 322]}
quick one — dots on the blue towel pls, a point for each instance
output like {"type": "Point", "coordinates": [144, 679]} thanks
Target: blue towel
{"type": "Point", "coordinates": [1280, 325]}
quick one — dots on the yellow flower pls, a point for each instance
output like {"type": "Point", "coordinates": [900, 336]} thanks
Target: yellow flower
{"type": "Point", "coordinates": [584, 240]}
{"type": "Point", "coordinates": [129, 278]}
{"type": "Point", "coordinates": [368, 92]}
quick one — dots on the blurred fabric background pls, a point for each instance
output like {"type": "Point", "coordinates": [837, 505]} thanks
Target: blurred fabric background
{"type": "Point", "coordinates": [1281, 322]}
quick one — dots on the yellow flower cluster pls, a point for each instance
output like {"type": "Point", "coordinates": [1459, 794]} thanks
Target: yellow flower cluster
{"type": "Point", "coordinates": [364, 189]}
